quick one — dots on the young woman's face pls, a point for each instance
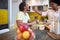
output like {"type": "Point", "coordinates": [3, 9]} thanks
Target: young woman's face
{"type": "Point", "coordinates": [53, 5]}
{"type": "Point", "coordinates": [27, 7]}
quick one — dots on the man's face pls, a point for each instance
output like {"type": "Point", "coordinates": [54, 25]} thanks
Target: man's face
{"type": "Point", "coordinates": [53, 5]}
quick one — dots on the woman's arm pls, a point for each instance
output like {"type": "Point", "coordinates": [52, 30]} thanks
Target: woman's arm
{"type": "Point", "coordinates": [30, 22]}
{"type": "Point", "coordinates": [19, 22]}
{"type": "Point", "coordinates": [40, 12]}
{"type": "Point", "coordinates": [36, 10]}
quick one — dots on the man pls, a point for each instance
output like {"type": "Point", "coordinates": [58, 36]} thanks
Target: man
{"type": "Point", "coordinates": [23, 18]}
{"type": "Point", "coordinates": [52, 14]}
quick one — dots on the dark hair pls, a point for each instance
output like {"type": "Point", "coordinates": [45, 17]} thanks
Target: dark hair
{"type": "Point", "coordinates": [53, 1]}
{"type": "Point", "coordinates": [21, 6]}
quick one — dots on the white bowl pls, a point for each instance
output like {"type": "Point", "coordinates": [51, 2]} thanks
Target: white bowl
{"type": "Point", "coordinates": [41, 27]}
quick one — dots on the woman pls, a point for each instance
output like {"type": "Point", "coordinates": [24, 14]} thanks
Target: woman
{"type": "Point", "coordinates": [23, 18]}
{"type": "Point", "coordinates": [52, 14]}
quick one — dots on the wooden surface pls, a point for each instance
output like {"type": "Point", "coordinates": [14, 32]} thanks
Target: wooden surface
{"type": "Point", "coordinates": [54, 36]}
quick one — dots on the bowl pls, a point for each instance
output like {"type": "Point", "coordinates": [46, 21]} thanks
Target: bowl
{"type": "Point", "coordinates": [41, 27]}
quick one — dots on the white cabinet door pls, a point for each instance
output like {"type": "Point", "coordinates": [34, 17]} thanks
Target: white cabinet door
{"type": "Point", "coordinates": [37, 2]}
{"type": "Point", "coordinates": [14, 0]}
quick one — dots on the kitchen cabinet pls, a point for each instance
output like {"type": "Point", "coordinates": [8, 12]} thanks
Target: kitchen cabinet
{"type": "Point", "coordinates": [14, 0]}
{"type": "Point", "coordinates": [40, 4]}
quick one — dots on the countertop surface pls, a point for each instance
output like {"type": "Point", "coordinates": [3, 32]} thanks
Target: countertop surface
{"type": "Point", "coordinates": [40, 35]}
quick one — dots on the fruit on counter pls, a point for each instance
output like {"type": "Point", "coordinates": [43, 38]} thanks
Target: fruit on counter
{"type": "Point", "coordinates": [26, 34]}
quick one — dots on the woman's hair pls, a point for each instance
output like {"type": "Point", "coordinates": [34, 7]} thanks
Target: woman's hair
{"type": "Point", "coordinates": [53, 1]}
{"type": "Point", "coordinates": [21, 6]}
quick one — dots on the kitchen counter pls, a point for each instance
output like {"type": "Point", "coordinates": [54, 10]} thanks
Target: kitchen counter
{"type": "Point", "coordinates": [40, 35]}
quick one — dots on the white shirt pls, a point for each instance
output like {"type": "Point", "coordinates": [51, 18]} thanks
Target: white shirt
{"type": "Point", "coordinates": [53, 18]}
{"type": "Point", "coordinates": [52, 15]}
{"type": "Point", "coordinates": [23, 17]}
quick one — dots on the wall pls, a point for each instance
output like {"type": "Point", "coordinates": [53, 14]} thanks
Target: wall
{"type": "Point", "coordinates": [10, 12]}
{"type": "Point", "coordinates": [13, 10]}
